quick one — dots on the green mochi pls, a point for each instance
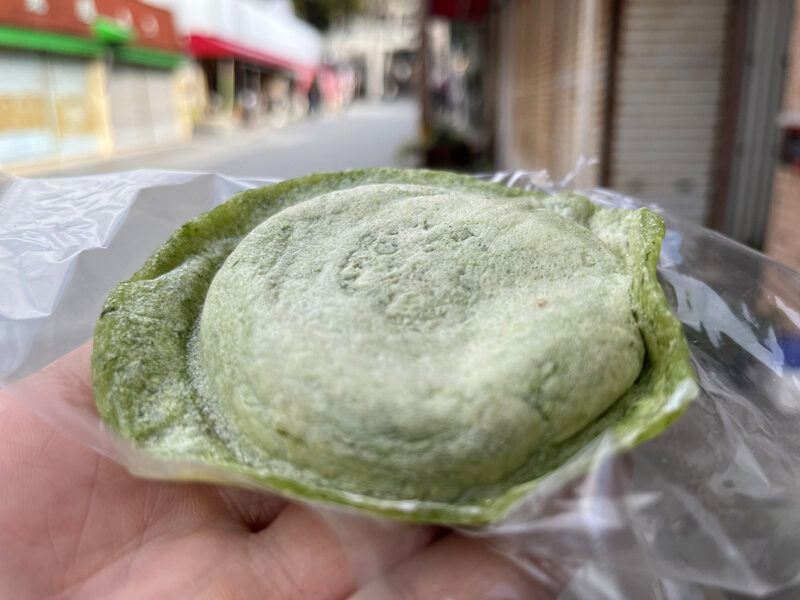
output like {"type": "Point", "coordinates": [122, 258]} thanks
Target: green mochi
{"type": "Point", "coordinates": [422, 345]}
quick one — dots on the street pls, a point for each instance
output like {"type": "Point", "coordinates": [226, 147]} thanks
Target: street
{"type": "Point", "coordinates": [367, 135]}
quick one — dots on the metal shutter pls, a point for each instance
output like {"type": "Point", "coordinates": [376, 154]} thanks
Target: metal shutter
{"type": "Point", "coordinates": [26, 128]}
{"type": "Point", "coordinates": [163, 112]}
{"type": "Point", "coordinates": [129, 100]}
{"type": "Point", "coordinates": [78, 125]}
{"type": "Point", "coordinates": [670, 74]}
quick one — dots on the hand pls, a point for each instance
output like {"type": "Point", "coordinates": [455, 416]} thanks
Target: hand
{"type": "Point", "coordinates": [74, 524]}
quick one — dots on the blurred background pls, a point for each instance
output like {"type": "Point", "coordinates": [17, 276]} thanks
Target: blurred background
{"type": "Point", "coordinates": [690, 104]}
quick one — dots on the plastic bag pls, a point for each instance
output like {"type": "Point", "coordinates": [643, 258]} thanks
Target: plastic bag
{"type": "Point", "coordinates": [711, 504]}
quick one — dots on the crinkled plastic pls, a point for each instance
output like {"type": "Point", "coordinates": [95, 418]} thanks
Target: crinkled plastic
{"type": "Point", "coordinates": [709, 508]}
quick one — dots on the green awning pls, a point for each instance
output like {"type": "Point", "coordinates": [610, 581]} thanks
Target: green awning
{"type": "Point", "coordinates": [109, 31]}
{"type": "Point", "coordinates": [58, 43]}
{"type": "Point", "coordinates": [108, 36]}
{"type": "Point", "coordinates": [148, 57]}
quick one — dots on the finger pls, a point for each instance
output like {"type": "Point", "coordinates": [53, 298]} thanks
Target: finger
{"type": "Point", "coordinates": [52, 442]}
{"type": "Point", "coordinates": [457, 568]}
{"type": "Point", "coordinates": [71, 375]}
{"type": "Point", "coordinates": [323, 554]}
{"type": "Point", "coordinates": [64, 387]}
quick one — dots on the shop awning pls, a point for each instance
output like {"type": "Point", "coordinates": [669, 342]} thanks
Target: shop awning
{"type": "Point", "coordinates": [146, 37]}
{"type": "Point", "coordinates": [262, 33]}
{"type": "Point", "coordinates": [207, 46]}
{"type": "Point", "coordinates": [460, 10]}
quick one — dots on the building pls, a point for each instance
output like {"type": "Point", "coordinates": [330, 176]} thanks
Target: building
{"type": "Point", "coordinates": [380, 45]}
{"type": "Point", "coordinates": [255, 55]}
{"type": "Point", "coordinates": [783, 228]}
{"type": "Point", "coordinates": [83, 78]}
{"type": "Point", "coordinates": [678, 100]}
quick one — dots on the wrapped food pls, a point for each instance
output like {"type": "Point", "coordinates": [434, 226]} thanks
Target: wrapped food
{"type": "Point", "coordinates": [709, 504]}
{"type": "Point", "coordinates": [422, 345]}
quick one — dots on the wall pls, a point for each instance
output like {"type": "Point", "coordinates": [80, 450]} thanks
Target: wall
{"type": "Point", "coordinates": [558, 53]}
{"type": "Point", "coordinates": [783, 229]}
{"type": "Point", "coordinates": [69, 18]}
{"type": "Point", "coordinates": [57, 109]}
{"type": "Point", "coordinates": [154, 26]}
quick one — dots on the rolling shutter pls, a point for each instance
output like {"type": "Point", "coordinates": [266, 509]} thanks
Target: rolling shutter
{"type": "Point", "coordinates": [164, 116]}
{"type": "Point", "coordinates": [26, 128]}
{"type": "Point", "coordinates": [129, 99]}
{"type": "Point", "coordinates": [46, 108]}
{"type": "Point", "coordinates": [77, 124]}
{"type": "Point", "coordinates": [670, 76]}
{"type": "Point", "coordinates": [143, 107]}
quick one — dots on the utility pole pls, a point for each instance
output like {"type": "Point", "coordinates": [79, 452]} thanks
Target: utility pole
{"type": "Point", "coordinates": [425, 96]}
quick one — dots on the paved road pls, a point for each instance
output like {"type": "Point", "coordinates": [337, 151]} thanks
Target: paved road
{"type": "Point", "coordinates": [368, 135]}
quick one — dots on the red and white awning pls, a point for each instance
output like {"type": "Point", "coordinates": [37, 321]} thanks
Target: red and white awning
{"type": "Point", "coordinates": [266, 33]}
{"type": "Point", "coordinates": [460, 10]}
{"type": "Point", "coordinates": [207, 46]}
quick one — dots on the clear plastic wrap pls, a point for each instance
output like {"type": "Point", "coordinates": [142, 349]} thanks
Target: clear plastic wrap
{"type": "Point", "coordinates": [711, 504]}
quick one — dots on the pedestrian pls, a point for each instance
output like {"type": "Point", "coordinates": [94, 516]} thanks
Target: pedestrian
{"type": "Point", "coordinates": [313, 96]}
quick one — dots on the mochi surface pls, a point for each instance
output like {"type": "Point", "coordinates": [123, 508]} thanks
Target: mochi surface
{"type": "Point", "coordinates": [422, 345]}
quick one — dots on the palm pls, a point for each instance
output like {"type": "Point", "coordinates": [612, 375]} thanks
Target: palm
{"type": "Point", "coordinates": [75, 524]}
